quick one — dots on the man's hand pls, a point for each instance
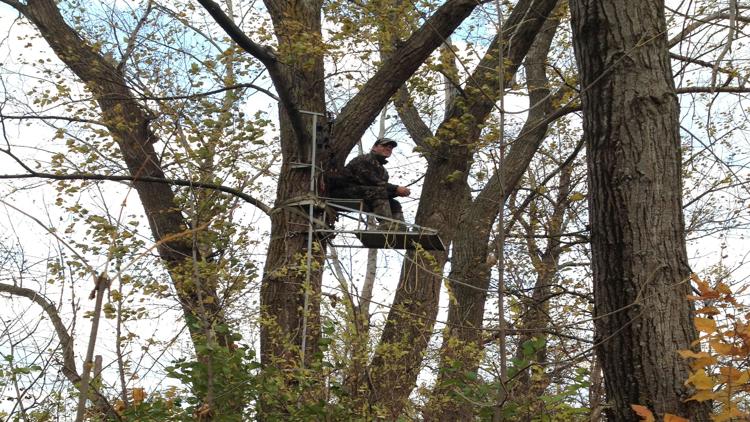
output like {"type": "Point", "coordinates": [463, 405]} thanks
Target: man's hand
{"type": "Point", "coordinates": [402, 191]}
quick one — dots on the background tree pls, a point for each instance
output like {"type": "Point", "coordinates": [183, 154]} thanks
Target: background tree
{"type": "Point", "coordinates": [640, 268]}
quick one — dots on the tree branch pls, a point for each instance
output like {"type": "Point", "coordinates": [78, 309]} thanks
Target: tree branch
{"type": "Point", "coordinates": [361, 110]}
{"type": "Point", "coordinates": [712, 90]}
{"type": "Point", "coordinates": [418, 130]}
{"type": "Point", "coordinates": [703, 63]}
{"type": "Point", "coordinates": [175, 182]}
{"type": "Point", "coordinates": [705, 20]}
{"type": "Point", "coordinates": [208, 93]}
{"type": "Point", "coordinates": [131, 40]}
{"type": "Point", "coordinates": [14, 4]}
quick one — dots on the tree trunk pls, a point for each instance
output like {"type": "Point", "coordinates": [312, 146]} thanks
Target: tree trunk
{"type": "Point", "coordinates": [639, 260]}
{"type": "Point", "coordinates": [296, 24]}
{"type": "Point", "coordinates": [280, 296]}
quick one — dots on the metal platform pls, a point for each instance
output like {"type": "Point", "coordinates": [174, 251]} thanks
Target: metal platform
{"type": "Point", "coordinates": [399, 240]}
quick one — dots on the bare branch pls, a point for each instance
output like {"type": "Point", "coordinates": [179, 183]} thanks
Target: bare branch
{"type": "Point", "coordinates": [115, 178]}
{"type": "Point", "coordinates": [700, 63]}
{"type": "Point", "coordinates": [131, 40]}
{"type": "Point", "coordinates": [44, 117]}
{"type": "Point", "coordinates": [14, 4]}
{"type": "Point", "coordinates": [215, 91]}
{"type": "Point", "coordinates": [66, 342]}
{"type": "Point", "coordinates": [721, 15]}
{"type": "Point", "coordinates": [418, 130]}
{"type": "Point", "coordinates": [712, 90]}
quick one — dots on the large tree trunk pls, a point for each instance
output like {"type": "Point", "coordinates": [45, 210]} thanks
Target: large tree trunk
{"type": "Point", "coordinates": [282, 298]}
{"type": "Point", "coordinates": [640, 265]}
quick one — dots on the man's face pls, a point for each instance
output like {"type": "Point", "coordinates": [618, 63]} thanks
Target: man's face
{"type": "Point", "coordinates": [384, 150]}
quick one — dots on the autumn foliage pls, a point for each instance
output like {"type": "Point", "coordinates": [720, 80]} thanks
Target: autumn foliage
{"type": "Point", "coordinates": [719, 358]}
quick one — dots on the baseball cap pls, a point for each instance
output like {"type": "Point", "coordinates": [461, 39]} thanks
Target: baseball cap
{"type": "Point", "coordinates": [386, 141]}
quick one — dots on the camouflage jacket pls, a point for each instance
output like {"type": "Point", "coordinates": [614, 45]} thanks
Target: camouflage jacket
{"type": "Point", "coordinates": [368, 170]}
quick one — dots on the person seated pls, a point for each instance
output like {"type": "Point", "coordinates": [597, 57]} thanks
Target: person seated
{"type": "Point", "coordinates": [366, 178]}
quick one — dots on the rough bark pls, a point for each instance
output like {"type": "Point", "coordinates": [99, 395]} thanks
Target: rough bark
{"type": "Point", "coordinates": [284, 275]}
{"type": "Point", "coordinates": [398, 358]}
{"type": "Point", "coordinates": [639, 260]}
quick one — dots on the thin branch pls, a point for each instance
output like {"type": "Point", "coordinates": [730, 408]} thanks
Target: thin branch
{"type": "Point", "coordinates": [66, 341]}
{"type": "Point", "coordinates": [131, 40]}
{"type": "Point", "coordinates": [215, 91]}
{"type": "Point", "coordinates": [721, 15]}
{"type": "Point", "coordinates": [177, 182]}
{"type": "Point", "coordinates": [699, 62]}
{"type": "Point", "coordinates": [42, 117]}
{"type": "Point", "coordinates": [14, 4]}
{"type": "Point", "coordinates": [711, 90]}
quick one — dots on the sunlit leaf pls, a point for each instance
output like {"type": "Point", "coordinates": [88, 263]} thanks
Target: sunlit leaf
{"type": "Point", "coordinates": [668, 417]}
{"type": "Point", "coordinates": [721, 347]}
{"type": "Point", "coordinates": [700, 380]}
{"type": "Point", "coordinates": [643, 412]}
{"type": "Point", "coordinates": [706, 325]}
{"type": "Point", "coordinates": [708, 310]}
{"type": "Point", "coordinates": [734, 376]}
{"type": "Point", "coordinates": [689, 354]}
{"type": "Point", "coordinates": [703, 395]}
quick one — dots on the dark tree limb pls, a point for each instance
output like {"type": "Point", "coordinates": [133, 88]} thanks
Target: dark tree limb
{"type": "Point", "coordinates": [362, 109]}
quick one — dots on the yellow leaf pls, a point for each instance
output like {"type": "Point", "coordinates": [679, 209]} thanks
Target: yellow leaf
{"type": "Point", "coordinates": [643, 412]}
{"type": "Point", "coordinates": [576, 196]}
{"type": "Point", "coordinates": [721, 347]}
{"type": "Point", "coordinates": [705, 324]}
{"type": "Point", "coordinates": [708, 310]}
{"type": "Point", "coordinates": [706, 291]}
{"type": "Point", "coordinates": [700, 380]}
{"type": "Point", "coordinates": [689, 354]}
{"type": "Point", "coordinates": [703, 395]}
{"type": "Point", "coordinates": [668, 417]}
{"type": "Point", "coordinates": [733, 376]}
{"type": "Point", "coordinates": [723, 288]}
{"type": "Point", "coordinates": [139, 394]}
{"type": "Point", "coordinates": [703, 362]}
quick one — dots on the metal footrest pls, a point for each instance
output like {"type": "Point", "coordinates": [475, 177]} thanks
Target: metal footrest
{"type": "Point", "coordinates": [399, 240]}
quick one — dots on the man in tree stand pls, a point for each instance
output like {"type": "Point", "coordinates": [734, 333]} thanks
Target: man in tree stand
{"type": "Point", "coordinates": [365, 178]}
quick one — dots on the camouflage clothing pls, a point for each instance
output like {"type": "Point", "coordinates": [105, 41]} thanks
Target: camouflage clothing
{"type": "Point", "coordinates": [365, 178]}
